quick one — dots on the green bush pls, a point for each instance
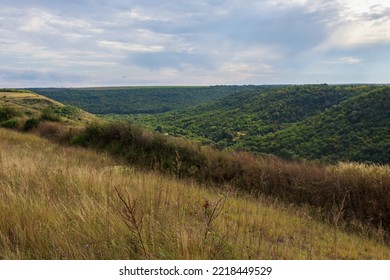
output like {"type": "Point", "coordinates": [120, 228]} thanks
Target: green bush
{"type": "Point", "coordinates": [7, 113]}
{"type": "Point", "coordinates": [31, 124]}
{"type": "Point", "coordinates": [68, 111]}
{"type": "Point", "coordinates": [49, 115]}
{"type": "Point", "coordinates": [12, 123]}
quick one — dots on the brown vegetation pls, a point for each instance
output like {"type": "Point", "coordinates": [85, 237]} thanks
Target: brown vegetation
{"type": "Point", "coordinates": [60, 202]}
{"type": "Point", "coordinates": [363, 191]}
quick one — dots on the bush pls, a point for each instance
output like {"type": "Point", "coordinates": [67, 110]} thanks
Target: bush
{"type": "Point", "coordinates": [49, 115]}
{"type": "Point", "coordinates": [12, 123]}
{"type": "Point", "coordinates": [49, 130]}
{"type": "Point", "coordinates": [68, 111]}
{"type": "Point", "coordinates": [7, 113]}
{"type": "Point", "coordinates": [31, 124]}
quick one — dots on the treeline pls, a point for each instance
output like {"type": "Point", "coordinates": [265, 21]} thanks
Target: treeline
{"type": "Point", "coordinates": [137, 100]}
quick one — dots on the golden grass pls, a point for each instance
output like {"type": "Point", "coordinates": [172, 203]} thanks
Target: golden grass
{"type": "Point", "coordinates": [61, 203]}
{"type": "Point", "coordinates": [23, 97]}
{"type": "Point", "coordinates": [32, 104]}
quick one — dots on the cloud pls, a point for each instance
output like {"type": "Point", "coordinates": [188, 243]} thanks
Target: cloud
{"type": "Point", "coordinates": [36, 78]}
{"type": "Point", "coordinates": [344, 60]}
{"type": "Point", "coordinates": [191, 42]}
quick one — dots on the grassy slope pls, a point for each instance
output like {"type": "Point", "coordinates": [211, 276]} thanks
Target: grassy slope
{"type": "Point", "coordinates": [27, 102]}
{"type": "Point", "coordinates": [31, 104]}
{"type": "Point", "coordinates": [60, 203]}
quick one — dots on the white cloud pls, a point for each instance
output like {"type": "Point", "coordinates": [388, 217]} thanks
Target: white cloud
{"type": "Point", "coordinates": [359, 24]}
{"type": "Point", "coordinates": [129, 47]}
{"type": "Point", "coordinates": [194, 42]}
{"type": "Point", "coordinates": [344, 60]}
{"type": "Point", "coordinates": [350, 60]}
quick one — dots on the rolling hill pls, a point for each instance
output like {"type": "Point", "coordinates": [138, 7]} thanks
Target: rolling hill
{"type": "Point", "coordinates": [357, 129]}
{"type": "Point", "coordinates": [314, 122]}
{"type": "Point", "coordinates": [137, 100]}
{"type": "Point", "coordinates": [105, 190]}
{"type": "Point", "coordinates": [20, 105]}
{"type": "Point", "coordinates": [255, 112]}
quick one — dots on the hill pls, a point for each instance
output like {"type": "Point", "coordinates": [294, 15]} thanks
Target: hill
{"type": "Point", "coordinates": [137, 100]}
{"type": "Point", "coordinates": [17, 106]}
{"type": "Point", "coordinates": [61, 202]}
{"type": "Point", "coordinates": [357, 129]}
{"type": "Point", "coordinates": [286, 121]}
{"type": "Point", "coordinates": [250, 113]}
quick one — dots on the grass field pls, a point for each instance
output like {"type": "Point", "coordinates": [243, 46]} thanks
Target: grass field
{"type": "Point", "coordinates": [26, 98]}
{"type": "Point", "coordinates": [30, 104]}
{"type": "Point", "coordinates": [61, 202]}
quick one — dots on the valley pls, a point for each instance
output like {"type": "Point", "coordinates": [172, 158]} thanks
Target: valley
{"type": "Point", "coordinates": [79, 186]}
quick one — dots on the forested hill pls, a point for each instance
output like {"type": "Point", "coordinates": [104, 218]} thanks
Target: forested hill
{"type": "Point", "coordinates": [138, 100]}
{"type": "Point", "coordinates": [325, 122]}
{"type": "Point", "coordinates": [313, 121]}
{"type": "Point", "coordinates": [252, 113]}
{"type": "Point", "coordinates": [357, 129]}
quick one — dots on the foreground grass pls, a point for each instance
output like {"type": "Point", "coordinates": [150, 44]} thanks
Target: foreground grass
{"type": "Point", "coordinates": [62, 203]}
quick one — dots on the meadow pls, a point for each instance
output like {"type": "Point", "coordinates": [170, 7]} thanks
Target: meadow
{"type": "Point", "coordinates": [61, 202]}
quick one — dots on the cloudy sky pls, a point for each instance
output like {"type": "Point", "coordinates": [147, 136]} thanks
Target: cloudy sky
{"type": "Point", "coordinates": [193, 42]}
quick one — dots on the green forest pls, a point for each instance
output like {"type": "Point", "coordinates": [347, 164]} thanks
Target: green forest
{"type": "Point", "coordinates": [137, 100]}
{"type": "Point", "coordinates": [328, 123]}
{"type": "Point", "coordinates": [319, 122]}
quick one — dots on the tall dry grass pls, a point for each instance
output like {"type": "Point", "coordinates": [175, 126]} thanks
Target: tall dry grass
{"type": "Point", "coordinates": [363, 195]}
{"type": "Point", "coordinates": [61, 202]}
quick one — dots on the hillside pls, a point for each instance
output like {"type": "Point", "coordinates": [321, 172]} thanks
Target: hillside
{"type": "Point", "coordinates": [16, 106]}
{"type": "Point", "coordinates": [83, 203]}
{"type": "Point", "coordinates": [251, 113]}
{"type": "Point", "coordinates": [357, 129]}
{"type": "Point", "coordinates": [137, 100]}
{"type": "Point", "coordinates": [280, 121]}
{"type": "Point", "coordinates": [62, 202]}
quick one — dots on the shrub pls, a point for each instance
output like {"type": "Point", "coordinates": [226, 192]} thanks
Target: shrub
{"type": "Point", "coordinates": [31, 124]}
{"type": "Point", "coordinates": [49, 115]}
{"type": "Point", "coordinates": [7, 113]}
{"type": "Point", "coordinates": [12, 123]}
{"type": "Point", "coordinates": [68, 111]}
{"type": "Point", "coordinates": [49, 130]}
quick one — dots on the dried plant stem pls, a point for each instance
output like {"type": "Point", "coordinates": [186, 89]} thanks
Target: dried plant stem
{"type": "Point", "coordinates": [133, 218]}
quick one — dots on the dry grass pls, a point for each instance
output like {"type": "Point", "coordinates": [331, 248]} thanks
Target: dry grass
{"type": "Point", "coordinates": [61, 203]}
{"type": "Point", "coordinates": [32, 105]}
{"type": "Point", "coordinates": [365, 199]}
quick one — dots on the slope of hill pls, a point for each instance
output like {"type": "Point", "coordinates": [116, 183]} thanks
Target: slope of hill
{"type": "Point", "coordinates": [290, 122]}
{"type": "Point", "coordinates": [252, 113]}
{"type": "Point", "coordinates": [82, 204]}
{"type": "Point", "coordinates": [138, 100]}
{"type": "Point", "coordinates": [60, 202]}
{"type": "Point", "coordinates": [357, 129]}
{"type": "Point", "coordinates": [16, 106]}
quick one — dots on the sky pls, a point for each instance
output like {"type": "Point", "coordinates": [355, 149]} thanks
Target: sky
{"type": "Point", "coordinates": [75, 43]}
